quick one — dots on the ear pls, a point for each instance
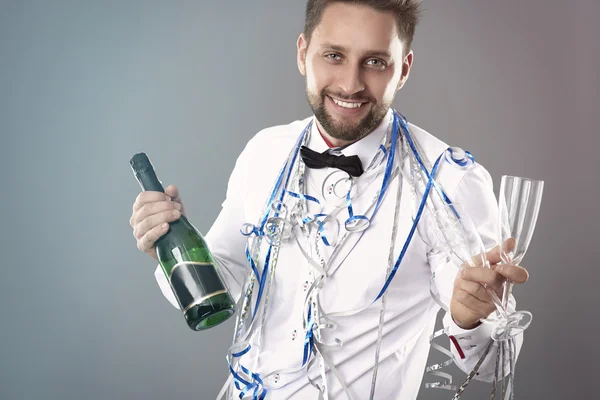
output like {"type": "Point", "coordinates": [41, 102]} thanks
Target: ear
{"type": "Point", "coordinates": [406, 65]}
{"type": "Point", "coordinates": [301, 45]}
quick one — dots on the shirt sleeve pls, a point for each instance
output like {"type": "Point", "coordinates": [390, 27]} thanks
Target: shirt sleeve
{"type": "Point", "coordinates": [475, 193]}
{"type": "Point", "coordinates": [224, 238]}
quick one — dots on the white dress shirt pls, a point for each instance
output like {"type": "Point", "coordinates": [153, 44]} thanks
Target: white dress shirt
{"type": "Point", "coordinates": [356, 275]}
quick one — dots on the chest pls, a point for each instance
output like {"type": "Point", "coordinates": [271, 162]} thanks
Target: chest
{"type": "Point", "coordinates": [357, 262]}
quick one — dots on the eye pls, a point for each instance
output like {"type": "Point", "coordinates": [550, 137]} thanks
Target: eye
{"type": "Point", "coordinates": [333, 57]}
{"type": "Point", "coordinates": [376, 63]}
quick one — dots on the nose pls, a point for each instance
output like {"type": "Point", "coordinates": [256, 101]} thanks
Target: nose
{"type": "Point", "coordinates": [350, 79]}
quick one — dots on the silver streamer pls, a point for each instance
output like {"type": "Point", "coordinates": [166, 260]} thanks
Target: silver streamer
{"type": "Point", "coordinates": [294, 222]}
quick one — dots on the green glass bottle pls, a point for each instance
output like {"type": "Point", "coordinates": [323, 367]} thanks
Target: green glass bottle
{"type": "Point", "coordinates": [187, 263]}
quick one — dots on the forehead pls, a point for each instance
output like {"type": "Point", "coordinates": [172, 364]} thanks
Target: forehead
{"type": "Point", "coordinates": [357, 27]}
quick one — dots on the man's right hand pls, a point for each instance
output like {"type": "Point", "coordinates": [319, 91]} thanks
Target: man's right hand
{"type": "Point", "coordinates": [152, 212]}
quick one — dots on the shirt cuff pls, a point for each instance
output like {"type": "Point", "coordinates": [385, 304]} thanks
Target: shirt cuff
{"type": "Point", "coordinates": [467, 341]}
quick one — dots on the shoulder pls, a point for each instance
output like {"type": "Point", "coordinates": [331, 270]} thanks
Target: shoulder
{"type": "Point", "coordinates": [270, 146]}
{"type": "Point", "coordinates": [430, 144]}
{"type": "Point", "coordinates": [267, 150]}
{"type": "Point", "coordinates": [262, 160]}
{"type": "Point", "coordinates": [472, 187]}
{"type": "Point", "coordinates": [450, 175]}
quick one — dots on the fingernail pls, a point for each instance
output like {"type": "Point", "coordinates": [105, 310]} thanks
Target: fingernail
{"type": "Point", "coordinates": [175, 213]}
{"type": "Point", "coordinates": [177, 206]}
{"type": "Point", "coordinates": [164, 226]}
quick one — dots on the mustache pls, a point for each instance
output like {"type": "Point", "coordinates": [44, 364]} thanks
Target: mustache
{"type": "Point", "coordinates": [362, 98]}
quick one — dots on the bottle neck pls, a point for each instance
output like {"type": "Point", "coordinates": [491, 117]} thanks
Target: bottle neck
{"type": "Point", "coordinates": [149, 181]}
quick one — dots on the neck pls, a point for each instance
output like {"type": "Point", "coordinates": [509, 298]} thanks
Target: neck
{"type": "Point", "coordinates": [331, 141]}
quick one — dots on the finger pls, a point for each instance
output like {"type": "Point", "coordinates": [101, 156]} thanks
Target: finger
{"type": "Point", "coordinates": [173, 192]}
{"type": "Point", "coordinates": [476, 289]}
{"type": "Point", "coordinates": [482, 275]}
{"type": "Point", "coordinates": [148, 196]}
{"type": "Point", "coordinates": [154, 220]}
{"type": "Point", "coordinates": [463, 316]}
{"type": "Point", "coordinates": [150, 209]}
{"type": "Point", "coordinates": [494, 256]}
{"type": "Point", "coordinates": [146, 242]}
{"type": "Point", "coordinates": [514, 273]}
{"type": "Point", "coordinates": [473, 305]}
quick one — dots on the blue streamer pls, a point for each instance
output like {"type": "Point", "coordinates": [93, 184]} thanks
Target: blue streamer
{"type": "Point", "coordinates": [259, 390]}
{"type": "Point", "coordinates": [257, 383]}
{"type": "Point", "coordinates": [461, 162]}
{"type": "Point", "coordinates": [430, 182]}
{"type": "Point", "coordinates": [412, 231]}
{"type": "Point", "coordinates": [420, 161]}
{"type": "Point", "coordinates": [386, 178]}
{"type": "Point", "coordinates": [309, 338]}
{"type": "Point", "coordinates": [322, 228]}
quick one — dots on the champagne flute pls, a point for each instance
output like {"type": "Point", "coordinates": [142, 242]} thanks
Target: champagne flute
{"type": "Point", "coordinates": [519, 202]}
{"type": "Point", "coordinates": [457, 235]}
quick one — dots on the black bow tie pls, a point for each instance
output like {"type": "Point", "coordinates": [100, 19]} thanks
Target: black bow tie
{"type": "Point", "coordinates": [312, 159]}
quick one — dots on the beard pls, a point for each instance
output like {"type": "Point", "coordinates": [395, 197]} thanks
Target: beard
{"type": "Point", "coordinates": [347, 130]}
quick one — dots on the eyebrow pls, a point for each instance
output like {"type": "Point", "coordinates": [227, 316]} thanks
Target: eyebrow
{"type": "Point", "coordinates": [371, 53]}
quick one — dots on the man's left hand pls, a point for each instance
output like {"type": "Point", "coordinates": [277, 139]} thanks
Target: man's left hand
{"type": "Point", "coordinates": [470, 301]}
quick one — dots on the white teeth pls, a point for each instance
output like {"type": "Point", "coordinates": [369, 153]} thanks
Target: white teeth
{"type": "Point", "coordinates": [346, 105]}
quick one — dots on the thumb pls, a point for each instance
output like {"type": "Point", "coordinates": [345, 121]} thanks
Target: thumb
{"type": "Point", "coordinates": [509, 245]}
{"type": "Point", "coordinates": [172, 192]}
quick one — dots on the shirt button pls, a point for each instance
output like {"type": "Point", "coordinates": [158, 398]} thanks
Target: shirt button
{"type": "Point", "coordinates": [294, 334]}
{"type": "Point", "coordinates": [305, 286]}
{"type": "Point", "coordinates": [276, 378]}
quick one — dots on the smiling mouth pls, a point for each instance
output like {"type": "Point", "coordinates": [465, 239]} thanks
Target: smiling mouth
{"type": "Point", "coordinates": [347, 104]}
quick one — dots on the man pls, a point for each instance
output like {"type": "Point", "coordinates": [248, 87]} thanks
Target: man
{"type": "Point", "coordinates": [355, 56]}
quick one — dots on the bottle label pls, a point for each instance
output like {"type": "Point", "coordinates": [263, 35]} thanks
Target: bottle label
{"type": "Point", "coordinates": [194, 282]}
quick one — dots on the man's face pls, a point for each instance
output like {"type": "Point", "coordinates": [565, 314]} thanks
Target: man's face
{"type": "Point", "coordinates": [353, 67]}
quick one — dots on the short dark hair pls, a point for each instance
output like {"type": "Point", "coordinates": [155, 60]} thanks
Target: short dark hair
{"type": "Point", "coordinates": [406, 12]}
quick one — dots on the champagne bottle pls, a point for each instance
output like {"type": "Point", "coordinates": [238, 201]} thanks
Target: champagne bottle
{"type": "Point", "coordinates": [187, 263]}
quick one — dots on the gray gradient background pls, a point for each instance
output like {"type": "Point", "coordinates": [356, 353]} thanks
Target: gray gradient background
{"type": "Point", "coordinates": [85, 84]}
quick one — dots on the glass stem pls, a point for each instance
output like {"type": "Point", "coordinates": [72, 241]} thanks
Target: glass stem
{"type": "Point", "coordinates": [499, 306]}
{"type": "Point", "coordinates": [506, 293]}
